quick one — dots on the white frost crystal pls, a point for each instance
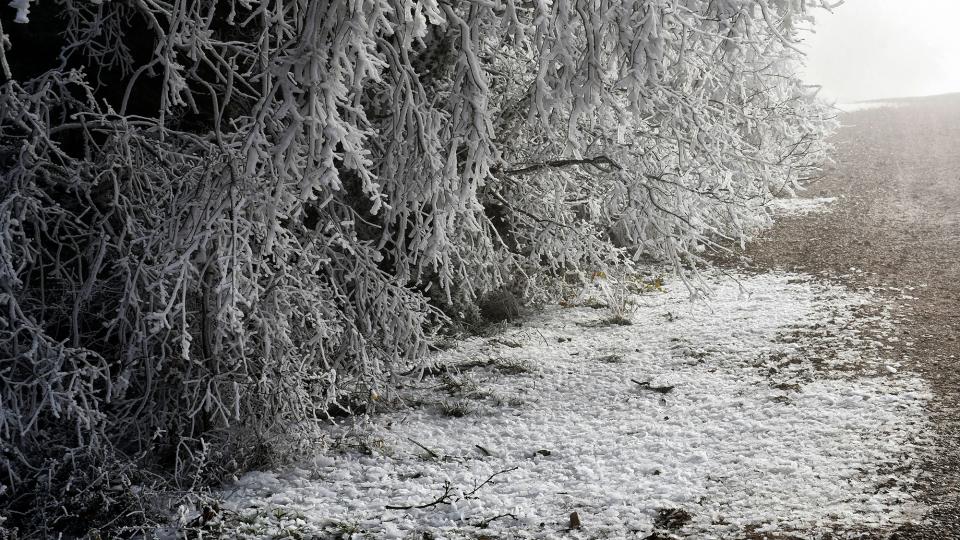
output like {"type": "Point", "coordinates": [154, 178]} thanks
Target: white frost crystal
{"type": "Point", "coordinates": [23, 10]}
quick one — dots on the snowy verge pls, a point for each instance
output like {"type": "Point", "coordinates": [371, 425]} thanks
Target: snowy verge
{"type": "Point", "coordinates": [800, 206]}
{"type": "Point", "coordinates": [865, 106]}
{"type": "Point", "coordinates": [772, 408]}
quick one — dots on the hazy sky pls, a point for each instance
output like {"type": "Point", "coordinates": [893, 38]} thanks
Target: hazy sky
{"type": "Point", "coordinates": [871, 49]}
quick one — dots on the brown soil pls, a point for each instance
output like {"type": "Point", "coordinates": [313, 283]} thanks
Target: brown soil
{"type": "Point", "coordinates": [897, 222]}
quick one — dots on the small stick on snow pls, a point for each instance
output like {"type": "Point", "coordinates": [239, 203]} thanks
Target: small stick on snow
{"type": "Point", "coordinates": [647, 386]}
{"type": "Point", "coordinates": [489, 478]}
{"type": "Point", "coordinates": [442, 499]}
{"type": "Point", "coordinates": [486, 523]}
{"type": "Point", "coordinates": [433, 454]}
{"type": "Point", "coordinates": [447, 490]}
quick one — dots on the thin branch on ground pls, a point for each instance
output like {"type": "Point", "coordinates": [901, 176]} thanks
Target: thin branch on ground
{"type": "Point", "coordinates": [445, 497]}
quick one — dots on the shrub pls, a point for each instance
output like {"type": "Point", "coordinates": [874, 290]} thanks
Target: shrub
{"type": "Point", "coordinates": [218, 220]}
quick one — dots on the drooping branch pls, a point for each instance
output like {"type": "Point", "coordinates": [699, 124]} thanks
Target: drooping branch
{"type": "Point", "coordinates": [602, 163]}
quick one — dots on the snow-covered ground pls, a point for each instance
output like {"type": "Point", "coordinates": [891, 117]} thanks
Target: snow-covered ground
{"type": "Point", "coordinates": [774, 407]}
{"type": "Point", "coordinates": [865, 105]}
{"type": "Point", "coordinates": [798, 206]}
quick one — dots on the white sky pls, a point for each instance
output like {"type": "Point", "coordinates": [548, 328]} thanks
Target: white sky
{"type": "Point", "coordinates": [872, 49]}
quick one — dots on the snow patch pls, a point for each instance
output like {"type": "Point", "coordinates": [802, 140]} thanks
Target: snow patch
{"type": "Point", "coordinates": [782, 416]}
{"type": "Point", "coordinates": [799, 206]}
{"type": "Point", "coordinates": [865, 106]}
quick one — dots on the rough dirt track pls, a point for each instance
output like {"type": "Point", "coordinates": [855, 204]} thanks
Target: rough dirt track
{"type": "Point", "coordinates": [897, 220]}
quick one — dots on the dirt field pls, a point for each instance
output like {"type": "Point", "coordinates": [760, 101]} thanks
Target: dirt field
{"type": "Point", "coordinates": [897, 222]}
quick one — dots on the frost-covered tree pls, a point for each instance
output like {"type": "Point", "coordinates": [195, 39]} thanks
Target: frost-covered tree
{"type": "Point", "coordinates": [217, 218]}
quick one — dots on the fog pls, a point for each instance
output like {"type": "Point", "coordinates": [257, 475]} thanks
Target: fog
{"type": "Point", "coordinates": [873, 49]}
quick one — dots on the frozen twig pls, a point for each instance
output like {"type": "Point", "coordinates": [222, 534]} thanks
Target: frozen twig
{"type": "Point", "coordinates": [447, 496]}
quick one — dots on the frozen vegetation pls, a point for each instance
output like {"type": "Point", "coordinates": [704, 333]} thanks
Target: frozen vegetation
{"type": "Point", "coordinates": [224, 223]}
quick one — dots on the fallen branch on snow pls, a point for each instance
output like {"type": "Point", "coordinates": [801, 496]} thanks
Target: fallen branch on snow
{"type": "Point", "coordinates": [647, 386]}
{"type": "Point", "coordinates": [445, 497]}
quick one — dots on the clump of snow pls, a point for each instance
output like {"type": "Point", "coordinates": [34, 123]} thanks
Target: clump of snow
{"type": "Point", "coordinates": [800, 206]}
{"type": "Point", "coordinates": [783, 416]}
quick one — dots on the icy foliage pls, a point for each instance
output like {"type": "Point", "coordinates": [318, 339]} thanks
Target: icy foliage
{"type": "Point", "coordinates": [216, 218]}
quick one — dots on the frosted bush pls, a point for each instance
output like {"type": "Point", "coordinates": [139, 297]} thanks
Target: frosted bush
{"type": "Point", "coordinates": [219, 218]}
